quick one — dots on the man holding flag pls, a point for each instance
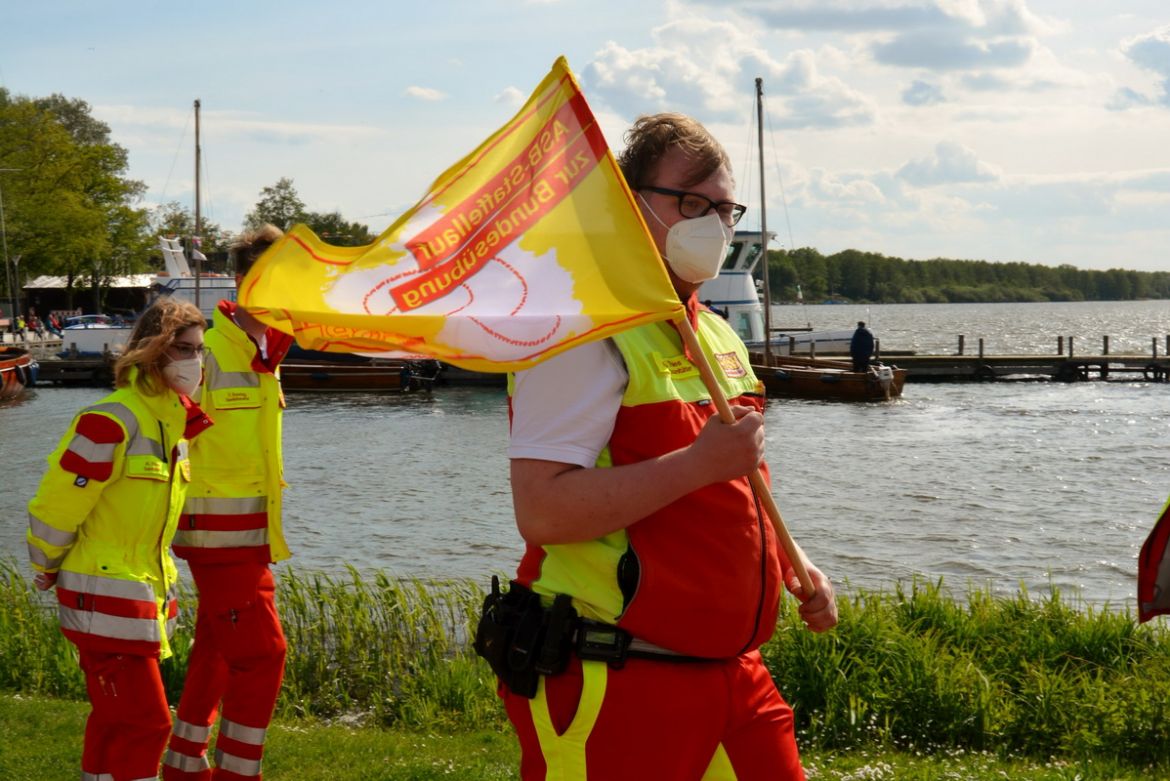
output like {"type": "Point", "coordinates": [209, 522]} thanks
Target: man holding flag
{"type": "Point", "coordinates": [656, 557]}
{"type": "Point", "coordinates": [650, 561]}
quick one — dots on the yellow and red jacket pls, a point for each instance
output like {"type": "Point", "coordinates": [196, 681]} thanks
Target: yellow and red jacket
{"type": "Point", "coordinates": [103, 517]}
{"type": "Point", "coordinates": [701, 576]}
{"type": "Point", "coordinates": [233, 508]}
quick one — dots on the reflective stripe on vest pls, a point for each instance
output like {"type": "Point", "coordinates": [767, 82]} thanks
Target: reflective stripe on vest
{"type": "Point", "coordinates": [145, 455]}
{"type": "Point", "coordinates": [223, 522]}
{"type": "Point", "coordinates": [185, 762]}
{"type": "Point", "coordinates": [225, 505]}
{"type": "Point", "coordinates": [107, 607]}
{"type": "Point", "coordinates": [96, 776]}
{"type": "Point", "coordinates": [49, 535]}
{"type": "Point", "coordinates": [92, 451]}
{"type": "Point", "coordinates": [42, 560]}
{"type": "Point", "coordinates": [251, 735]}
{"type": "Point", "coordinates": [221, 380]}
{"type": "Point", "coordinates": [238, 765]}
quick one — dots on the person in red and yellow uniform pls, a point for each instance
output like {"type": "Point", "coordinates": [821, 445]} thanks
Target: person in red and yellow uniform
{"type": "Point", "coordinates": [641, 524]}
{"type": "Point", "coordinates": [229, 533]}
{"type": "Point", "coordinates": [99, 528]}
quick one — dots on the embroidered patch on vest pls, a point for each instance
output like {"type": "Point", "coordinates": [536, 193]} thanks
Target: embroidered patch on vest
{"type": "Point", "coordinates": [729, 363]}
{"type": "Point", "coordinates": [678, 367]}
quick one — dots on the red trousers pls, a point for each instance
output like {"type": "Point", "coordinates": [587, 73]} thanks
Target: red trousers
{"type": "Point", "coordinates": [127, 729]}
{"type": "Point", "coordinates": [657, 721]}
{"type": "Point", "coordinates": [237, 660]}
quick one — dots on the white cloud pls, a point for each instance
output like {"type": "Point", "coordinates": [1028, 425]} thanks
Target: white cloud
{"type": "Point", "coordinates": [696, 67]}
{"type": "Point", "coordinates": [951, 163]}
{"type": "Point", "coordinates": [949, 50]}
{"type": "Point", "coordinates": [511, 96]}
{"type": "Point", "coordinates": [424, 93]}
{"type": "Point", "coordinates": [921, 93]}
{"type": "Point", "coordinates": [1150, 52]}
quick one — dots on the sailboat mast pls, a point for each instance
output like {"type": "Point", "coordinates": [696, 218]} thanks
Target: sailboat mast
{"type": "Point", "coordinates": [196, 254]}
{"type": "Point", "coordinates": [764, 227]}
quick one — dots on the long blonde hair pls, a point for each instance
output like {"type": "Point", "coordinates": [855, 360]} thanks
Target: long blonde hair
{"type": "Point", "coordinates": [154, 332]}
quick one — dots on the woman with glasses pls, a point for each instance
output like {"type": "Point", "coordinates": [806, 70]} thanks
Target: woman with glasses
{"type": "Point", "coordinates": [99, 528]}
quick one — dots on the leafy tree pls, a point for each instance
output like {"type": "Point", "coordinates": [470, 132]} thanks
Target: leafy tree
{"type": "Point", "coordinates": [334, 229]}
{"type": "Point", "coordinates": [279, 204]}
{"type": "Point", "coordinates": [282, 206]}
{"type": "Point", "coordinates": [69, 208]}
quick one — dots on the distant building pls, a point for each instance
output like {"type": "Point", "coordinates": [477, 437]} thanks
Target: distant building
{"type": "Point", "coordinates": [125, 295]}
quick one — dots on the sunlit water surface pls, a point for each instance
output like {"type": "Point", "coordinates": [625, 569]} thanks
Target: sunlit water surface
{"type": "Point", "coordinates": [996, 485]}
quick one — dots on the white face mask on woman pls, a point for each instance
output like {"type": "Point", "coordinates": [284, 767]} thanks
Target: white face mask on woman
{"type": "Point", "coordinates": [695, 248]}
{"type": "Point", "coordinates": [184, 375]}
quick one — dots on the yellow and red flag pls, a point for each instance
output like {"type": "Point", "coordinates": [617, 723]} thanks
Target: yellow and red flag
{"type": "Point", "coordinates": [528, 246]}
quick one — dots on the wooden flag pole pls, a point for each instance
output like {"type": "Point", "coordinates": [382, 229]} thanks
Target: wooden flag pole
{"type": "Point", "coordinates": [793, 551]}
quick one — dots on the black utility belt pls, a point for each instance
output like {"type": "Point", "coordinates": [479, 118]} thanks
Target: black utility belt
{"type": "Point", "coordinates": [522, 640]}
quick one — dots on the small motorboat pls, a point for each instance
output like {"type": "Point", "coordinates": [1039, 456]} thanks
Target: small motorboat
{"type": "Point", "coordinates": [18, 370]}
{"type": "Point", "coordinates": [817, 378]}
{"type": "Point", "coordinates": [93, 335]}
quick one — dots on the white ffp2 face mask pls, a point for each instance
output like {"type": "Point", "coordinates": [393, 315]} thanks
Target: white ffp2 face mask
{"type": "Point", "coordinates": [696, 247]}
{"type": "Point", "coordinates": [184, 375]}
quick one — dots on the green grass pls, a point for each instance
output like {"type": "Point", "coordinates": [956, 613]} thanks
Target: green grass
{"type": "Point", "coordinates": [1026, 686]}
{"type": "Point", "coordinates": [308, 750]}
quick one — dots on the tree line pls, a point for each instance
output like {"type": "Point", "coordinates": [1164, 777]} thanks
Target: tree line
{"type": "Point", "coordinates": [869, 277]}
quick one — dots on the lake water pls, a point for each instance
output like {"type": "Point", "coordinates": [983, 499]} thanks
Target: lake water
{"type": "Point", "coordinates": [992, 484]}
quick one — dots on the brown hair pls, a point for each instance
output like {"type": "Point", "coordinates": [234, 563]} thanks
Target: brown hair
{"type": "Point", "coordinates": [651, 136]}
{"type": "Point", "coordinates": [250, 245]}
{"type": "Point", "coordinates": [154, 332]}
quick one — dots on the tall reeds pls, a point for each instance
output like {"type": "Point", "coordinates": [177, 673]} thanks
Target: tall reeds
{"type": "Point", "coordinates": [913, 668]}
{"type": "Point", "coordinates": [918, 670]}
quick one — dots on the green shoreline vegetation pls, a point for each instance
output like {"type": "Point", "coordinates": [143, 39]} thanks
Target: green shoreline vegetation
{"type": "Point", "coordinates": [914, 683]}
{"type": "Point", "coordinates": [872, 278]}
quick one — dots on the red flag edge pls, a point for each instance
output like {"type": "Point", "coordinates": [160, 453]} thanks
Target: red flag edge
{"type": "Point", "coordinates": [1153, 591]}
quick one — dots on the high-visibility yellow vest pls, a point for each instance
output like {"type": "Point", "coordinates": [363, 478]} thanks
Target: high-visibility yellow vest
{"type": "Point", "coordinates": [233, 508]}
{"type": "Point", "coordinates": [701, 576]}
{"type": "Point", "coordinates": [107, 538]}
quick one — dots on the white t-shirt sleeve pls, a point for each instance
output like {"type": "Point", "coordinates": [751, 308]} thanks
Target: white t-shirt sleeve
{"type": "Point", "coordinates": [564, 409]}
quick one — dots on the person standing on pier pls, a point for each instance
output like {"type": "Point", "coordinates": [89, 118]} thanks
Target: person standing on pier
{"type": "Point", "coordinates": [649, 560]}
{"type": "Point", "coordinates": [229, 534]}
{"type": "Point", "coordinates": [861, 347]}
{"type": "Point", "coordinates": [99, 527]}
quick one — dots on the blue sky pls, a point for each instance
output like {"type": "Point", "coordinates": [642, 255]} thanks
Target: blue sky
{"type": "Point", "coordinates": [1007, 130]}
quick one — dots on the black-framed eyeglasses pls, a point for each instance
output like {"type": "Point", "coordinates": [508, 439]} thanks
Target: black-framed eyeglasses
{"type": "Point", "coordinates": [186, 351]}
{"type": "Point", "coordinates": [692, 205]}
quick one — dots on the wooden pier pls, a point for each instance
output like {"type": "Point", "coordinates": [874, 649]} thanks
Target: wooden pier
{"type": "Point", "coordinates": [1064, 365]}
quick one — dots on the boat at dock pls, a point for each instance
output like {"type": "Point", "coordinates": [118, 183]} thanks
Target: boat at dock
{"type": "Point", "coordinates": [313, 371]}
{"type": "Point", "coordinates": [203, 290]}
{"type": "Point", "coordinates": [820, 378]}
{"type": "Point", "coordinates": [93, 336]}
{"type": "Point", "coordinates": [18, 371]}
{"type": "Point", "coordinates": [788, 366]}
